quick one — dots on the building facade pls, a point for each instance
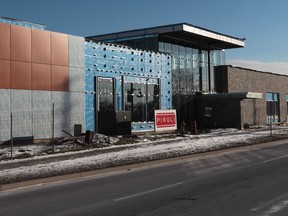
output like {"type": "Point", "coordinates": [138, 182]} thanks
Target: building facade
{"type": "Point", "coordinates": [194, 51]}
{"type": "Point", "coordinates": [246, 97]}
{"type": "Point", "coordinates": [112, 84]}
{"type": "Point", "coordinates": [41, 81]}
{"type": "Point", "coordinates": [122, 82]}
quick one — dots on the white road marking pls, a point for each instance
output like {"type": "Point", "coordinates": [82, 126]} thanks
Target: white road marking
{"type": "Point", "coordinates": [273, 203]}
{"type": "Point", "coordinates": [276, 208]}
{"type": "Point", "coordinates": [149, 191]}
{"type": "Point", "coordinates": [275, 158]}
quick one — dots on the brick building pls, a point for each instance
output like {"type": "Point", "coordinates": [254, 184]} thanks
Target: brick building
{"type": "Point", "coordinates": [245, 97]}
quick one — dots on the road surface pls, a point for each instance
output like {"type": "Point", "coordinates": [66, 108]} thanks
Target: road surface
{"type": "Point", "coordinates": [241, 183]}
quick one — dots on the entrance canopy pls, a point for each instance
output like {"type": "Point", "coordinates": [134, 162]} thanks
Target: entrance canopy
{"type": "Point", "coordinates": [185, 32]}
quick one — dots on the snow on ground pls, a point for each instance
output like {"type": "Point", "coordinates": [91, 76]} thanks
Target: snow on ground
{"type": "Point", "coordinates": [144, 150]}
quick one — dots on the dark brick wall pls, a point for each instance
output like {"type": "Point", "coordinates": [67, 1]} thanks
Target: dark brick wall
{"type": "Point", "coordinates": [253, 111]}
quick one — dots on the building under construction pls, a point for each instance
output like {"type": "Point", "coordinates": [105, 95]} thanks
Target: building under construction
{"type": "Point", "coordinates": [53, 82]}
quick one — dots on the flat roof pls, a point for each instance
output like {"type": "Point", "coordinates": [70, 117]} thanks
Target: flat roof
{"type": "Point", "coordinates": [20, 21]}
{"type": "Point", "coordinates": [178, 32]}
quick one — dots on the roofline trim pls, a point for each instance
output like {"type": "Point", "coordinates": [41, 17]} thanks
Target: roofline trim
{"type": "Point", "coordinates": [213, 35]}
{"type": "Point", "coordinates": [178, 27]}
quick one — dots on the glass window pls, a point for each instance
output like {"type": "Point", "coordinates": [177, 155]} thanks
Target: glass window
{"type": "Point", "coordinates": [272, 107]}
{"type": "Point", "coordinates": [167, 47]}
{"type": "Point", "coordinates": [189, 53]}
{"type": "Point", "coordinates": [152, 100]}
{"type": "Point", "coordinates": [161, 47]}
{"type": "Point", "coordinates": [196, 74]}
{"type": "Point", "coordinates": [181, 51]}
{"type": "Point", "coordinates": [175, 50]}
{"type": "Point", "coordinates": [182, 76]}
{"type": "Point", "coordinates": [175, 75]}
{"type": "Point", "coordinates": [139, 109]}
{"type": "Point", "coordinates": [142, 98]}
{"type": "Point", "coordinates": [204, 71]}
{"type": "Point", "coordinates": [189, 72]}
{"type": "Point", "coordinates": [212, 78]}
{"type": "Point", "coordinates": [106, 95]}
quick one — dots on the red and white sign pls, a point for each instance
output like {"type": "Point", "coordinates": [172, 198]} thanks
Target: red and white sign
{"type": "Point", "coordinates": [165, 120]}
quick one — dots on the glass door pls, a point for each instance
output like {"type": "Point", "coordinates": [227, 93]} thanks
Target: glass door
{"type": "Point", "coordinates": [105, 91]}
{"type": "Point", "coordinates": [105, 105]}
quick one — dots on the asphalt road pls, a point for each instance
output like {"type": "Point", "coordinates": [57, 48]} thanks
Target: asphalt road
{"type": "Point", "coordinates": [248, 182]}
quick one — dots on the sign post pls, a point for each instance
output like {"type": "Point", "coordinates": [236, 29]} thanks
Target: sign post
{"type": "Point", "coordinates": [165, 120]}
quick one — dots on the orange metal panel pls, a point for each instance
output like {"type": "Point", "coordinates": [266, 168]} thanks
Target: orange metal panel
{"type": "Point", "coordinates": [20, 43]}
{"type": "Point", "coordinates": [60, 78]}
{"type": "Point", "coordinates": [41, 46]}
{"type": "Point", "coordinates": [59, 49]}
{"type": "Point", "coordinates": [20, 75]}
{"type": "Point", "coordinates": [41, 77]}
{"type": "Point", "coordinates": [4, 41]}
{"type": "Point", "coordinates": [5, 74]}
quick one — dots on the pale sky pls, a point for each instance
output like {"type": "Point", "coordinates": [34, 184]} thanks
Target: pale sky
{"type": "Point", "coordinates": [262, 23]}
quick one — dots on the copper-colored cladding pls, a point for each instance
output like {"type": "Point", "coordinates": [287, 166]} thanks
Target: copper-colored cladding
{"type": "Point", "coordinates": [60, 78]}
{"type": "Point", "coordinates": [41, 77]}
{"type": "Point", "coordinates": [41, 46]}
{"type": "Point", "coordinates": [47, 50]}
{"type": "Point", "coordinates": [20, 43]}
{"type": "Point", "coordinates": [4, 41]}
{"type": "Point", "coordinates": [20, 75]}
{"type": "Point", "coordinates": [5, 74]}
{"type": "Point", "coordinates": [59, 49]}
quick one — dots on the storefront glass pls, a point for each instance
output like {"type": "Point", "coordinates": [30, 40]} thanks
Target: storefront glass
{"type": "Point", "coordinates": [141, 98]}
{"type": "Point", "coordinates": [202, 63]}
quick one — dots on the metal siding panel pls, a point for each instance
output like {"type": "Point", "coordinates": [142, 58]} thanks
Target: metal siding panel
{"type": "Point", "coordinates": [21, 100]}
{"type": "Point", "coordinates": [22, 124]}
{"type": "Point", "coordinates": [42, 101]}
{"type": "Point", "coordinates": [5, 34]}
{"type": "Point", "coordinates": [60, 78]}
{"type": "Point", "coordinates": [5, 114]}
{"type": "Point", "coordinates": [21, 103]}
{"type": "Point", "coordinates": [76, 51]}
{"type": "Point", "coordinates": [41, 46]}
{"type": "Point", "coordinates": [77, 109]}
{"type": "Point", "coordinates": [76, 79]}
{"type": "Point", "coordinates": [4, 74]}
{"type": "Point", "coordinates": [42, 124]}
{"type": "Point", "coordinates": [61, 100]}
{"type": "Point", "coordinates": [41, 77]}
{"type": "Point", "coordinates": [5, 131]}
{"type": "Point", "coordinates": [61, 122]}
{"type": "Point", "coordinates": [61, 112]}
{"type": "Point", "coordinates": [20, 75]}
{"type": "Point", "coordinates": [20, 43]}
{"type": "Point", "coordinates": [42, 114]}
{"type": "Point", "coordinates": [77, 100]}
{"type": "Point", "coordinates": [77, 118]}
{"type": "Point", "coordinates": [5, 100]}
{"type": "Point", "coordinates": [59, 49]}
